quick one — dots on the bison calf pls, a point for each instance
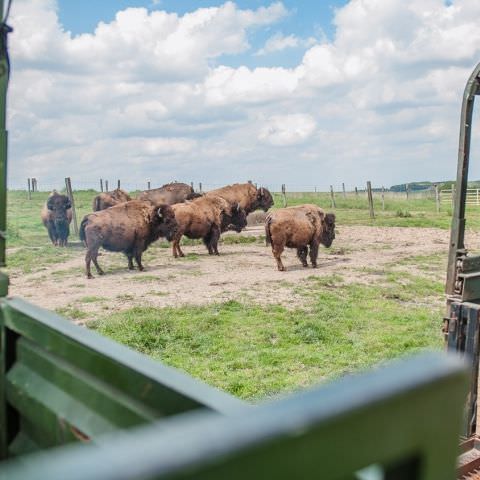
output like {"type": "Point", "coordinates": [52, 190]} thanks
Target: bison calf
{"type": "Point", "coordinates": [206, 217]}
{"type": "Point", "coordinates": [56, 215]}
{"type": "Point", "coordinates": [299, 227]}
{"type": "Point", "coordinates": [108, 199]}
{"type": "Point", "coordinates": [129, 228]}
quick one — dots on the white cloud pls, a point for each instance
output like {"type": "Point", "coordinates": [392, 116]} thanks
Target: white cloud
{"type": "Point", "coordinates": [279, 42]}
{"type": "Point", "coordinates": [149, 95]}
{"type": "Point", "coordinates": [283, 130]}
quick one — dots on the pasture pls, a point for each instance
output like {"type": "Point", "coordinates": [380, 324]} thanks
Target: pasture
{"type": "Point", "coordinates": [234, 320]}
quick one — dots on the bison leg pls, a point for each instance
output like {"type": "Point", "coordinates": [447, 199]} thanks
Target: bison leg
{"type": "Point", "coordinates": [207, 240]}
{"type": "Point", "coordinates": [180, 253]}
{"type": "Point", "coordinates": [52, 233]}
{"type": "Point", "coordinates": [138, 259]}
{"type": "Point", "coordinates": [215, 236]}
{"type": "Point", "coordinates": [130, 261]}
{"type": "Point", "coordinates": [94, 254]}
{"type": "Point", "coordinates": [88, 259]}
{"type": "Point", "coordinates": [314, 254]}
{"type": "Point", "coordinates": [277, 251]}
{"type": "Point", "coordinates": [302, 255]}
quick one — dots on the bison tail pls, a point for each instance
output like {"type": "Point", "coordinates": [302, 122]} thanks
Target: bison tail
{"type": "Point", "coordinates": [268, 235]}
{"type": "Point", "coordinates": [81, 232]}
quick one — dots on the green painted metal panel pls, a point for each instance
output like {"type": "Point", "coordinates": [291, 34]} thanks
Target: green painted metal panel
{"type": "Point", "coordinates": [393, 417]}
{"type": "Point", "coordinates": [63, 383]}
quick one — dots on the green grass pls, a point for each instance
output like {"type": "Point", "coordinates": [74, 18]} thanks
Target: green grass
{"type": "Point", "coordinates": [255, 351]}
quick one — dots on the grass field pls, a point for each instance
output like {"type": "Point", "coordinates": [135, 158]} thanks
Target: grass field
{"type": "Point", "coordinates": [255, 350]}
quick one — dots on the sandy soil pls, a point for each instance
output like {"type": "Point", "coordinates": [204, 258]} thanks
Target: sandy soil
{"type": "Point", "coordinates": [242, 271]}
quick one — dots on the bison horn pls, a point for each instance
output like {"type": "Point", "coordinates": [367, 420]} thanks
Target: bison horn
{"type": "Point", "coordinates": [238, 207]}
{"type": "Point", "coordinates": [159, 213]}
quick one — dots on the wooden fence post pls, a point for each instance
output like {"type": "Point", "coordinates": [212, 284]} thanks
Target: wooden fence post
{"type": "Point", "coordinates": [200, 187]}
{"type": "Point", "coordinates": [101, 185]}
{"type": "Point", "coordinates": [284, 195]}
{"type": "Point", "coordinates": [453, 195]}
{"type": "Point", "coordinates": [370, 199]}
{"type": "Point", "coordinates": [68, 185]}
{"type": "Point", "coordinates": [356, 192]}
{"type": "Point", "coordinates": [191, 184]}
{"type": "Point", "coordinates": [407, 189]}
{"type": "Point", "coordinates": [344, 193]}
{"type": "Point", "coordinates": [106, 185]}
{"type": "Point", "coordinates": [383, 197]}
{"type": "Point", "coordinates": [148, 185]}
{"type": "Point", "coordinates": [118, 183]}
{"type": "Point", "coordinates": [437, 198]}
{"type": "Point", "coordinates": [332, 197]}
{"type": "Point", "coordinates": [29, 190]}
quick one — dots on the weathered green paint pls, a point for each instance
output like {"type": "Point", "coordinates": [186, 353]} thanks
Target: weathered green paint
{"type": "Point", "coordinates": [394, 417]}
{"type": "Point", "coordinates": [67, 383]}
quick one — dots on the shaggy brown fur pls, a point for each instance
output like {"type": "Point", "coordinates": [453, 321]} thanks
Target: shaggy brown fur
{"type": "Point", "coordinates": [169, 194]}
{"type": "Point", "coordinates": [206, 217]}
{"type": "Point", "coordinates": [246, 195]}
{"type": "Point", "coordinates": [299, 227]}
{"type": "Point", "coordinates": [129, 227]}
{"type": "Point", "coordinates": [56, 215]}
{"type": "Point", "coordinates": [108, 199]}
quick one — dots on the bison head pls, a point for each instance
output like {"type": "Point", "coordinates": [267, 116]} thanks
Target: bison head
{"type": "Point", "coordinates": [166, 225]}
{"type": "Point", "coordinates": [238, 219]}
{"type": "Point", "coordinates": [328, 232]}
{"type": "Point", "coordinates": [58, 205]}
{"type": "Point", "coordinates": [264, 199]}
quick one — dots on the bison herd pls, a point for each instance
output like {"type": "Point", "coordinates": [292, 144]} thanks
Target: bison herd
{"type": "Point", "coordinates": [122, 224]}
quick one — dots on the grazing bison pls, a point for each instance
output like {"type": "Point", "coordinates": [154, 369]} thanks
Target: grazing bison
{"type": "Point", "coordinates": [56, 215]}
{"type": "Point", "coordinates": [109, 199]}
{"type": "Point", "coordinates": [206, 217]}
{"type": "Point", "coordinates": [299, 227]}
{"type": "Point", "coordinates": [169, 194]}
{"type": "Point", "coordinates": [246, 195]}
{"type": "Point", "coordinates": [129, 227]}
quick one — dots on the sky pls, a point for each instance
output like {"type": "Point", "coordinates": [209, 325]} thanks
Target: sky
{"type": "Point", "coordinates": [309, 94]}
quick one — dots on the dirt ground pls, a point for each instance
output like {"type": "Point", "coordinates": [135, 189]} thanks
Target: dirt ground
{"type": "Point", "coordinates": [242, 271]}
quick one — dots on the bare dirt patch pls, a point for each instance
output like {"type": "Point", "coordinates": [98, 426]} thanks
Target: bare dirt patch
{"type": "Point", "coordinates": [244, 271]}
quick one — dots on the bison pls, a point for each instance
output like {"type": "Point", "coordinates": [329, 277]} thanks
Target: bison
{"type": "Point", "coordinates": [56, 215]}
{"type": "Point", "coordinates": [206, 218]}
{"type": "Point", "coordinates": [246, 195]}
{"type": "Point", "coordinates": [169, 194]}
{"type": "Point", "coordinates": [108, 199]}
{"type": "Point", "coordinates": [129, 227]}
{"type": "Point", "coordinates": [299, 227]}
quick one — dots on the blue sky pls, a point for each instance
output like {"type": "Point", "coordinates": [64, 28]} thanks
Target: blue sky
{"type": "Point", "coordinates": [303, 93]}
{"type": "Point", "coordinates": [306, 19]}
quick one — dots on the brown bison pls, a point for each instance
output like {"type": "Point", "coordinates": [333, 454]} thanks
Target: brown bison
{"type": "Point", "coordinates": [56, 215]}
{"type": "Point", "coordinates": [206, 217]}
{"type": "Point", "coordinates": [299, 227]}
{"type": "Point", "coordinates": [246, 195]}
{"type": "Point", "coordinates": [169, 194]}
{"type": "Point", "coordinates": [109, 199]}
{"type": "Point", "coordinates": [129, 227]}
